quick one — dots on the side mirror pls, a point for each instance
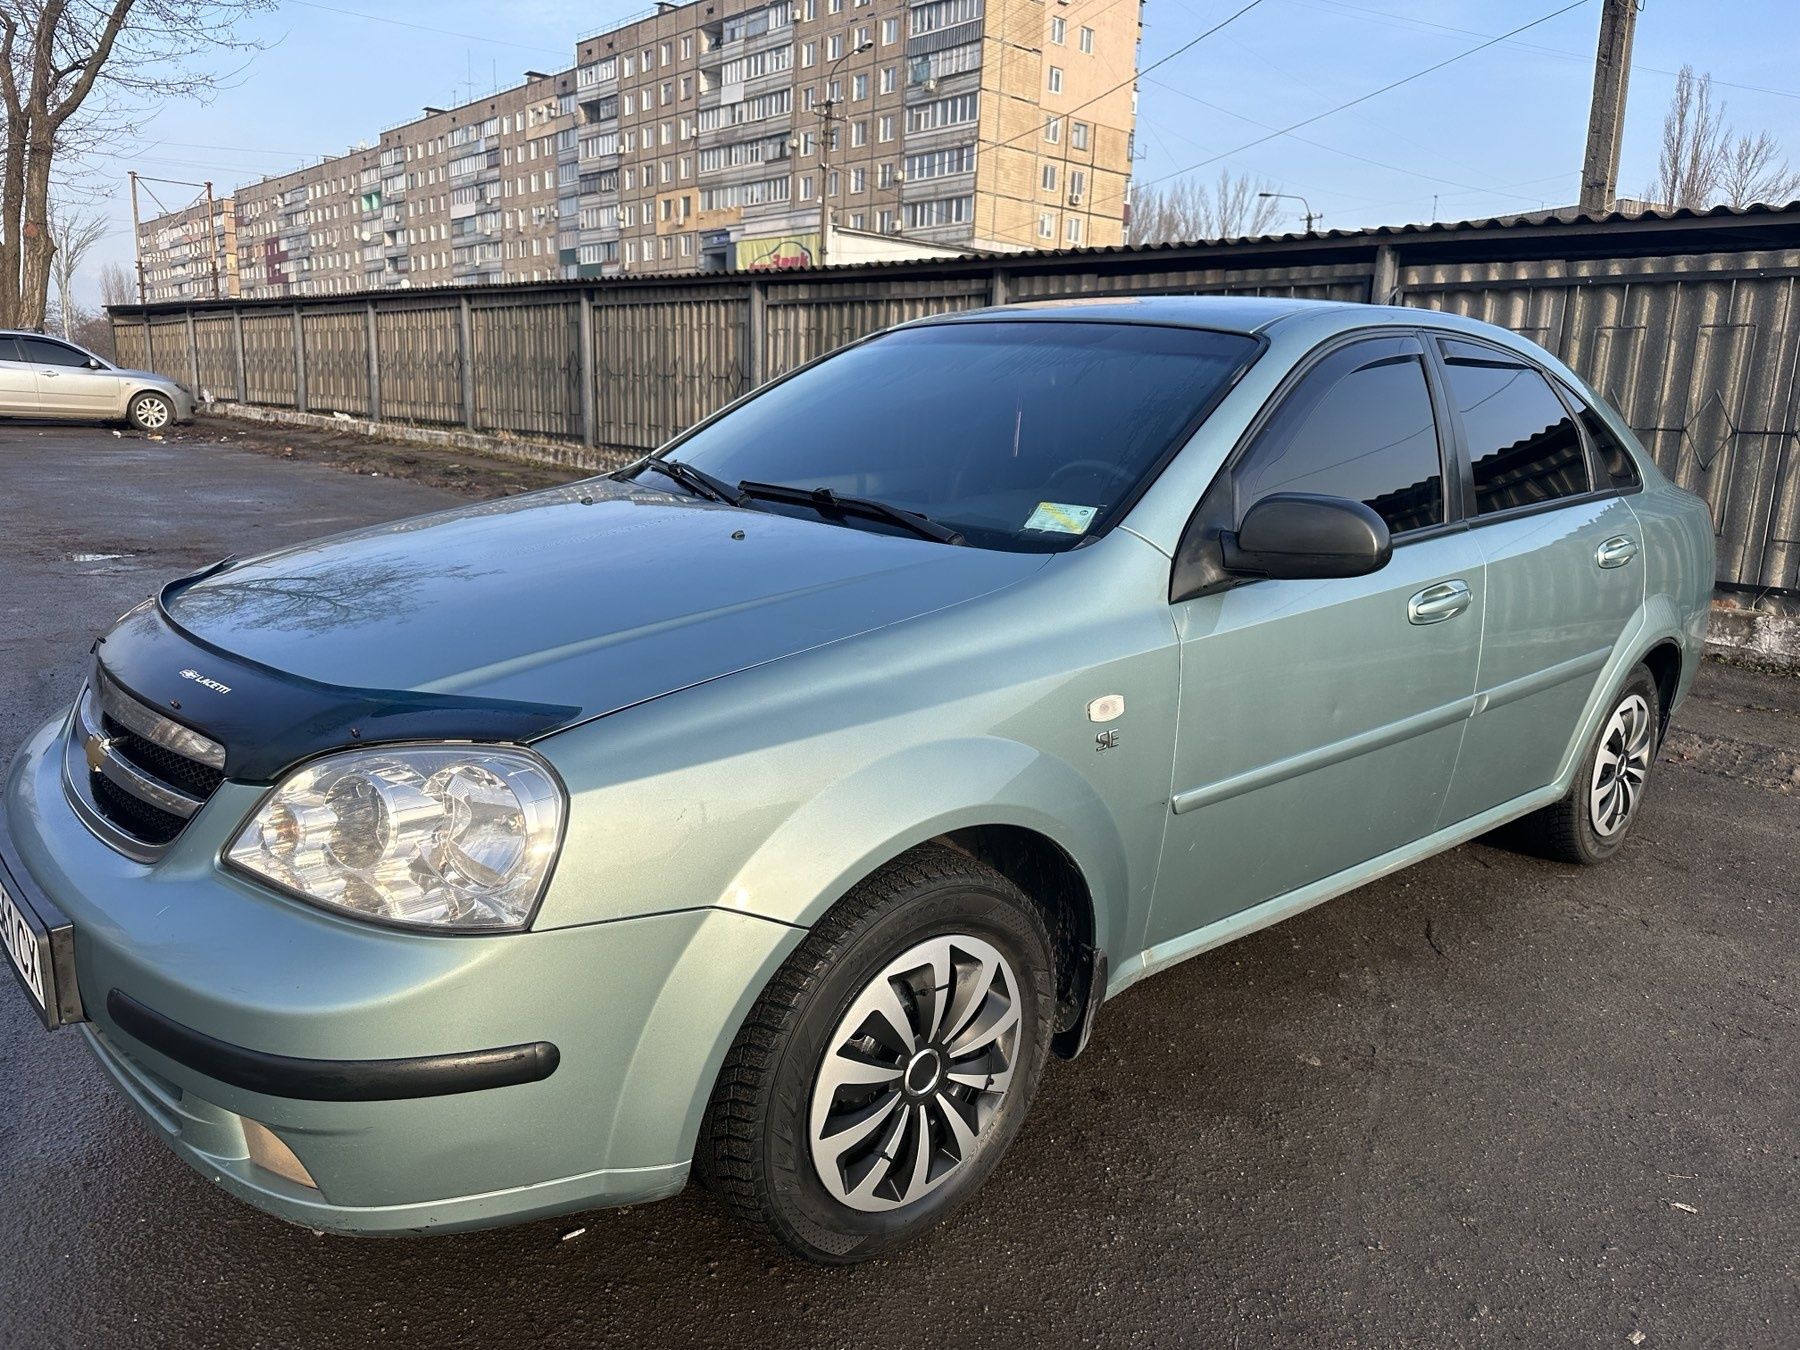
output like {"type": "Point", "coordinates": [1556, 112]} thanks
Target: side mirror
{"type": "Point", "coordinates": [1299, 535]}
{"type": "Point", "coordinates": [93, 363]}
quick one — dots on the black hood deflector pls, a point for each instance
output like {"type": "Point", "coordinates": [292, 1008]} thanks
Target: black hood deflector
{"type": "Point", "coordinates": [269, 720]}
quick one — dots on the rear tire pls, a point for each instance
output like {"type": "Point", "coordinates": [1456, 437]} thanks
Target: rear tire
{"type": "Point", "coordinates": [884, 1071]}
{"type": "Point", "coordinates": [1592, 822]}
{"type": "Point", "coordinates": [151, 413]}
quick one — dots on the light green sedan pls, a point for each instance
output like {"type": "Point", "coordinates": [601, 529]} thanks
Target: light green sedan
{"type": "Point", "coordinates": [773, 810]}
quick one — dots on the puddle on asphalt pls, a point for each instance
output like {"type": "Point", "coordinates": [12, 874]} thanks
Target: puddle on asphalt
{"type": "Point", "coordinates": [95, 557]}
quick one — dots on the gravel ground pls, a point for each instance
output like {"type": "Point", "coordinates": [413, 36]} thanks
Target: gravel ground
{"type": "Point", "coordinates": [1487, 1101]}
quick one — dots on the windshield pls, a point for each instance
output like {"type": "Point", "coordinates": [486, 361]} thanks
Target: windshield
{"type": "Point", "coordinates": [1017, 435]}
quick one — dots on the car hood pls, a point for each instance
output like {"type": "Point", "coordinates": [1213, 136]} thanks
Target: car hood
{"type": "Point", "coordinates": [593, 596]}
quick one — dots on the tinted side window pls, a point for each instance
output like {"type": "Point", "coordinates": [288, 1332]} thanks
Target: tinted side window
{"type": "Point", "coordinates": [46, 353]}
{"type": "Point", "coordinates": [1523, 445]}
{"type": "Point", "coordinates": [1616, 467]}
{"type": "Point", "coordinates": [9, 349]}
{"type": "Point", "coordinates": [1359, 425]}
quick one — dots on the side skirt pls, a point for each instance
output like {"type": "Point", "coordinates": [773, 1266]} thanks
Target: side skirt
{"type": "Point", "coordinates": [1258, 917]}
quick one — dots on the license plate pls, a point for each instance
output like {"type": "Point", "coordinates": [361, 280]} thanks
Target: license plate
{"type": "Point", "coordinates": [40, 947]}
{"type": "Point", "coordinates": [26, 949]}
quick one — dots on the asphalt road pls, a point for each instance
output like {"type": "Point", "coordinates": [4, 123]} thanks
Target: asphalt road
{"type": "Point", "coordinates": [1489, 1101]}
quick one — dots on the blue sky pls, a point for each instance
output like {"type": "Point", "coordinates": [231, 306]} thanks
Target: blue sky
{"type": "Point", "coordinates": [1497, 132]}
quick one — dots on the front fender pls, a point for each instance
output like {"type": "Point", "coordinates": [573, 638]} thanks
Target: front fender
{"type": "Point", "coordinates": [936, 788]}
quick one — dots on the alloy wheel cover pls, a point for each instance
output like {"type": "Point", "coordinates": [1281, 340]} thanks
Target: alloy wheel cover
{"type": "Point", "coordinates": [914, 1073]}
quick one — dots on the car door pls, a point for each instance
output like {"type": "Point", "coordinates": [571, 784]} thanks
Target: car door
{"type": "Point", "coordinates": [18, 381]}
{"type": "Point", "coordinates": [65, 385]}
{"type": "Point", "coordinates": [1563, 573]}
{"type": "Point", "coordinates": [1319, 721]}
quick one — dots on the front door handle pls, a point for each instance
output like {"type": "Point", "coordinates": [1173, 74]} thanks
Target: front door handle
{"type": "Point", "coordinates": [1434, 604]}
{"type": "Point", "coordinates": [1617, 551]}
{"type": "Point", "coordinates": [48, 374]}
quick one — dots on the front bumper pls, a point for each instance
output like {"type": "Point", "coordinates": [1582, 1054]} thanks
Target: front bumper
{"type": "Point", "coordinates": [640, 1012]}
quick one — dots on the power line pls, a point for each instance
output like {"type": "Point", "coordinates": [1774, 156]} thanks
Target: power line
{"type": "Point", "coordinates": [427, 28]}
{"type": "Point", "coordinates": [1408, 21]}
{"type": "Point", "coordinates": [1136, 75]}
{"type": "Point", "coordinates": [1332, 149]}
{"type": "Point", "coordinates": [1361, 98]}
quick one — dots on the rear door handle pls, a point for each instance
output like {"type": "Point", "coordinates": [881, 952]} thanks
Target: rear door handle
{"type": "Point", "coordinates": [1434, 604]}
{"type": "Point", "coordinates": [48, 374]}
{"type": "Point", "coordinates": [1617, 551]}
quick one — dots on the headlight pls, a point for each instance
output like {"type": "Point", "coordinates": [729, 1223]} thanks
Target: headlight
{"type": "Point", "coordinates": [452, 837]}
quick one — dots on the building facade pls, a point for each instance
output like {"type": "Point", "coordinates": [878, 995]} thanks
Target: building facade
{"type": "Point", "coordinates": [711, 137]}
{"type": "Point", "coordinates": [182, 258]}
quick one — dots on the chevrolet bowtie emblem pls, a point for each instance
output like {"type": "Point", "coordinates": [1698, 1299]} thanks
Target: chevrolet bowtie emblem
{"type": "Point", "coordinates": [97, 746]}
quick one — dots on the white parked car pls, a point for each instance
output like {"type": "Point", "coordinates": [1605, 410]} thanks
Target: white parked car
{"type": "Point", "coordinates": [47, 377]}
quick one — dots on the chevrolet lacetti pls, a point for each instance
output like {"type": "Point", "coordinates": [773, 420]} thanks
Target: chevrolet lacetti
{"type": "Point", "coordinates": [773, 808]}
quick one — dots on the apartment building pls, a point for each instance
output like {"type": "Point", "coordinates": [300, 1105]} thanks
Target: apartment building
{"type": "Point", "coordinates": [715, 136]}
{"type": "Point", "coordinates": [184, 259]}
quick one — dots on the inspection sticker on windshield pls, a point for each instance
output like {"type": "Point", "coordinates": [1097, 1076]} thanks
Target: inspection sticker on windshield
{"type": "Point", "coordinates": [1061, 517]}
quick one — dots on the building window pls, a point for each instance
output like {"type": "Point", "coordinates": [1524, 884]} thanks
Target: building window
{"type": "Point", "coordinates": [1046, 225]}
{"type": "Point", "coordinates": [1059, 30]}
{"type": "Point", "coordinates": [859, 180]}
{"type": "Point", "coordinates": [1077, 184]}
{"type": "Point", "coordinates": [859, 88]}
{"type": "Point", "coordinates": [806, 187]}
{"type": "Point", "coordinates": [687, 47]}
{"type": "Point", "coordinates": [1049, 178]}
{"type": "Point", "coordinates": [809, 54]}
{"type": "Point", "coordinates": [1056, 79]}
{"type": "Point", "coordinates": [1072, 229]}
{"type": "Point", "coordinates": [890, 79]}
{"type": "Point", "coordinates": [1087, 40]}
{"type": "Point", "coordinates": [1053, 131]}
{"type": "Point", "coordinates": [884, 174]}
{"type": "Point", "coordinates": [885, 128]}
{"type": "Point", "coordinates": [834, 46]}
{"type": "Point", "coordinates": [831, 184]}
{"type": "Point", "coordinates": [1078, 135]}
{"type": "Point", "coordinates": [890, 32]}
{"type": "Point", "coordinates": [943, 211]}
{"type": "Point", "coordinates": [859, 133]}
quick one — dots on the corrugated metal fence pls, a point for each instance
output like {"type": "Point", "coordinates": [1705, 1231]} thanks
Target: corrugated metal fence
{"type": "Point", "coordinates": [1690, 324]}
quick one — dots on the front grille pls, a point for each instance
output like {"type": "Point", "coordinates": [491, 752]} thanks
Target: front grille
{"type": "Point", "coordinates": [149, 823]}
{"type": "Point", "coordinates": [134, 776]}
{"type": "Point", "coordinates": [200, 780]}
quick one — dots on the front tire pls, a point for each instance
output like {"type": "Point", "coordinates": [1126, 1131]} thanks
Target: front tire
{"type": "Point", "coordinates": [1591, 823]}
{"type": "Point", "coordinates": [882, 1074]}
{"type": "Point", "coordinates": [151, 413]}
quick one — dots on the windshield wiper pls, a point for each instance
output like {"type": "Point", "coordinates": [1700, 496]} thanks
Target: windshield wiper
{"type": "Point", "coordinates": [824, 499]}
{"type": "Point", "coordinates": [698, 481]}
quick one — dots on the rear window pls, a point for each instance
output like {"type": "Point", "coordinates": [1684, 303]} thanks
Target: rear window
{"type": "Point", "coordinates": [1021, 435]}
{"type": "Point", "coordinates": [1523, 444]}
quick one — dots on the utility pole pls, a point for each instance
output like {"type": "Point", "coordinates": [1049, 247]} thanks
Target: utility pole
{"type": "Point", "coordinates": [1311, 216]}
{"type": "Point", "coordinates": [137, 243]}
{"type": "Point", "coordinates": [212, 240]}
{"type": "Point", "coordinates": [1606, 115]}
{"type": "Point", "coordinates": [827, 137]}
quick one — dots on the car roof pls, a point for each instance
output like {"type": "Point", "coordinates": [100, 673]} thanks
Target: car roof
{"type": "Point", "coordinates": [1221, 313]}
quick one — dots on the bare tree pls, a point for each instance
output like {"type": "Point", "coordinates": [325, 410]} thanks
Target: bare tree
{"type": "Point", "coordinates": [116, 285]}
{"type": "Point", "coordinates": [72, 72]}
{"type": "Point", "coordinates": [1188, 209]}
{"type": "Point", "coordinates": [1755, 171]}
{"type": "Point", "coordinates": [73, 234]}
{"type": "Point", "coordinates": [1703, 163]}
